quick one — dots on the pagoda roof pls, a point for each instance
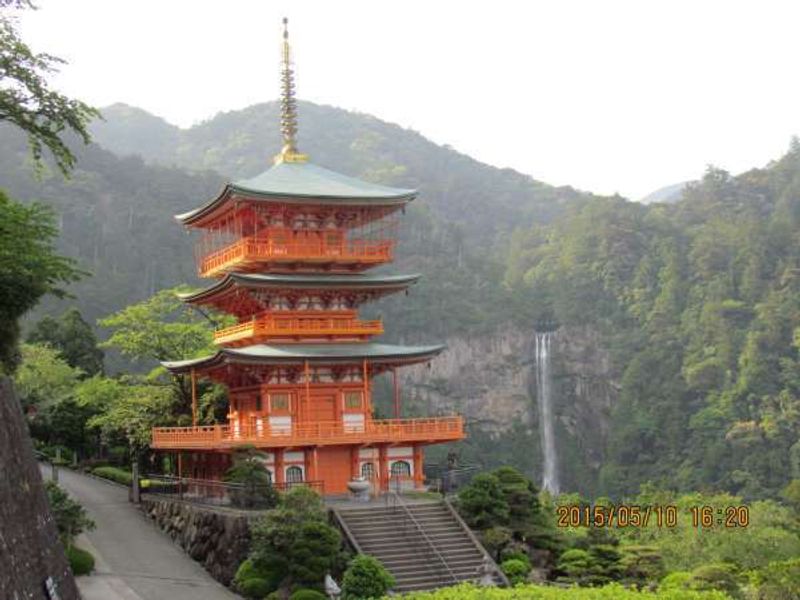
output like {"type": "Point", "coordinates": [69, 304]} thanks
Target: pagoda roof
{"type": "Point", "coordinates": [303, 183]}
{"type": "Point", "coordinates": [309, 281]}
{"type": "Point", "coordinates": [263, 354]}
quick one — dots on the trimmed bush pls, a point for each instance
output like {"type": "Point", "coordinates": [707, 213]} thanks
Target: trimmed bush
{"type": "Point", "coordinates": [117, 474]}
{"type": "Point", "coordinates": [80, 561]}
{"type": "Point", "coordinates": [255, 588]}
{"type": "Point", "coordinates": [273, 575]}
{"type": "Point", "coordinates": [516, 570]}
{"type": "Point", "coordinates": [366, 577]}
{"type": "Point", "coordinates": [307, 594]}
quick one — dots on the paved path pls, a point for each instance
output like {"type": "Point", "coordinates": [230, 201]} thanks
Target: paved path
{"type": "Point", "coordinates": [134, 560]}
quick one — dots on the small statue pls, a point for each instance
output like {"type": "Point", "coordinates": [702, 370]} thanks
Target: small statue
{"type": "Point", "coordinates": [332, 589]}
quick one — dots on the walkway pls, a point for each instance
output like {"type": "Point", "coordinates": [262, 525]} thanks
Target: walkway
{"type": "Point", "coordinates": [134, 560]}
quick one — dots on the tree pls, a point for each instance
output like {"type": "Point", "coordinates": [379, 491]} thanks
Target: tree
{"type": "Point", "coordinates": [131, 415]}
{"type": "Point", "coordinates": [27, 101]}
{"type": "Point", "coordinates": [73, 338]}
{"type": "Point", "coordinates": [29, 269]}
{"type": "Point", "coordinates": [366, 577]}
{"type": "Point", "coordinates": [44, 378]}
{"type": "Point", "coordinates": [482, 502]}
{"type": "Point", "coordinates": [161, 328]}
{"type": "Point", "coordinates": [249, 472]}
{"type": "Point", "coordinates": [296, 539]}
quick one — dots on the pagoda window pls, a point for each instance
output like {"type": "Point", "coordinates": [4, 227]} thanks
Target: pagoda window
{"type": "Point", "coordinates": [401, 468]}
{"type": "Point", "coordinates": [368, 471]}
{"type": "Point", "coordinates": [353, 400]}
{"type": "Point", "coordinates": [279, 402]}
{"type": "Point", "coordinates": [294, 474]}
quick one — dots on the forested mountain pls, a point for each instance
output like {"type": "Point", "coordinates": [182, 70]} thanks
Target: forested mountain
{"type": "Point", "coordinates": [699, 305]}
{"type": "Point", "coordinates": [695, 303]}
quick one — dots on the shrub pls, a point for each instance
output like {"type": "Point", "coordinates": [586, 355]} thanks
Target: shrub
{"type": "Point", "coordinates": [254, 486]}
{"type": "Point", "coordinates": [307, 594]}
{"type": "Point", "coordinates": [366, 577]}
{"type": "Point", "coordinates": [250, 569]}
{"type": "Point", "coordinates": [517, 555]}
{"type": "Point", "coordinates": [80, 561]}
{"type": "Point", "coordinates": [516, 570]}
{"type": "Point", "coordinates": [255, 588]}
{"type": "Point", "coordinates": [613, 591]}
{"type": "Point", "coordinates": [70, 517]}
{"type": "Point", "coordinates": [718, 576]}
{"type": "Point", "coordinates": [675, 581]}
{"type": "Point", "coordinates": [116, 474]}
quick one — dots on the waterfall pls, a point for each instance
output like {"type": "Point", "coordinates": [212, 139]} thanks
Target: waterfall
{"type": "Point", "coordinates": [545, 403]}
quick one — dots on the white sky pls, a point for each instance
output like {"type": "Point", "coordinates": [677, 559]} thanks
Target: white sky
{"type": "Point", "coordinates": [608, 96]}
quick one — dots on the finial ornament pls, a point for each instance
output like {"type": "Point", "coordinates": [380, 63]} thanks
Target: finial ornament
{"type": "Point", "coordinates": [289, 152]}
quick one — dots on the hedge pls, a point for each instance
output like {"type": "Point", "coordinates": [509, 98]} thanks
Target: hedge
{"type": "Point", "coordinates": [612, 591]}
{"type": "Point", "coordinates": [80, 561]}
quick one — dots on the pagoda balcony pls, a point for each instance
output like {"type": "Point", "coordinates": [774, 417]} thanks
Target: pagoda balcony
{"type": "Point", "coordinates": [433, 430]}
{"type": "Point", "coordinates": [323, 324]}
{"type": "Point", "coordinates": [249, 254]}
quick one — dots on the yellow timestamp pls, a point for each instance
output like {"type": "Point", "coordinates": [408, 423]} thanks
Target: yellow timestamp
{"type": "Point", "coordinates": [657, 515]}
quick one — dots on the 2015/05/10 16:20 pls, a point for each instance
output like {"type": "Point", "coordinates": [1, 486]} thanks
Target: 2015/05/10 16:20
{"type": "Point", "coordinates": [632, 515]}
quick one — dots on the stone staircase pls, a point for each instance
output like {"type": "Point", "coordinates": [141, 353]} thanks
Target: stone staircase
{"type": "Point", "coordinates": [424, 545]}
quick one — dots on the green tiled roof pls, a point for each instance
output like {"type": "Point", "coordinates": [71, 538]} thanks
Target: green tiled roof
{"type": "Point", "coordinates": [296, 353]}
{"type": "Point", "coordinates": [306, 182]}
{"type": "Point", "coordinates": [348, 282]}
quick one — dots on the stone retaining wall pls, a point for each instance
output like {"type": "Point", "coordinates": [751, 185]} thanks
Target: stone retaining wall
{"type": "Point", "coordinates": [219, 539]}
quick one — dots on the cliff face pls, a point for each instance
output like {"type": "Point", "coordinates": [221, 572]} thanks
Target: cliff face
{"type": "Point", "coordinates": [491, 380]}
{"type": "Point", "coordinates": [31, 557]}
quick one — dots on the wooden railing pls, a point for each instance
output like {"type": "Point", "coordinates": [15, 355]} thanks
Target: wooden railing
{"type": "Point", "coordinates": [436, 429]}
{"type": "Point", "coordinates": [263, 326]}
{"type": "Point", "coordinates": [252, 250]}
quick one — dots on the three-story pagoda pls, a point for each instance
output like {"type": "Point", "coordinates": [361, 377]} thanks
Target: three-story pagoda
{"type": "Point", "coordinates": [289, 249]}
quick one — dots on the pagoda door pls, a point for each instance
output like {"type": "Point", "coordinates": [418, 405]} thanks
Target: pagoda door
{"type": "Point", "coordinates": [322, 408]}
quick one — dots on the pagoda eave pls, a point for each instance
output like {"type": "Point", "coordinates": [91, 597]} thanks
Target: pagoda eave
{"type": "Point", "coordinates": [377, 285]}
{"type": "Point", "coordinates": [299, 354]}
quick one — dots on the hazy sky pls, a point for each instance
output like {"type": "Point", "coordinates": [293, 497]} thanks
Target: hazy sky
{"type": "Point", "coordinates": [608, 96]}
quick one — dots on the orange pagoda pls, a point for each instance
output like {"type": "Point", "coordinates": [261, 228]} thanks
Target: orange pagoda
{"type": "Point", "coordinates": [289, 250]}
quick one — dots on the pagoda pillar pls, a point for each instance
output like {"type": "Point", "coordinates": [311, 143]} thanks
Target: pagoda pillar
{"type": "Point", "coordinates": [383, 467]}
{"type": "Point", "coordinates": [419, 470]}
{"type": "Point", "coordinates": [355, 462]}
{"type": "Point", "coordinates": [312, 470]}
{"type": "Point", "coordinates": [279, 479]}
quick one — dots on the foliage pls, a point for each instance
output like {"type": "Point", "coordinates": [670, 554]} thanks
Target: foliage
{"type": "Point", "coordinates": [778, 580]}
{"type": "Point", "coordinates": [131, 417]}
{"type": "Point", "coordinates": [641, 564]}
{"type": "Point", "coordinates": [29, 266]}
{"type": "Point", "coordinates": [70, 517]}
{"type": "Point", "coordinates": [307, 594]}
{"type": "Point", "coordinates": [718, 576]}
{"type": "Point", "coordinates": [296, 539]}
{"type": "Point", "coordinates": [366, 577]}
{"type": "Point", "coordinates": [482, 503]}
{"type": "Point", "coordinates": [44, 378]}
{"type": "Point", "coordinates": [516, 570]}
{"type": "Point", "coordinates": [27, 101]}
{"type": "Point", "coordinates": [249, 471]}
{"type": "Point", "coordinates": [250, 569]}
{"type": "Point", "coordinates": [80, 561]}
{"type": "Point", "coordinates": [771, 534]}
{"type": "Point", "coordinates": [255, 588]}
{"type": "Point", "coordinates": [613, 591]}
{"type": "Point", "coordinates": [73, 338]}
{"type": "Point", "coordinates": [116, 474]}
{"type": "Point", "coordinates": [162, 328]}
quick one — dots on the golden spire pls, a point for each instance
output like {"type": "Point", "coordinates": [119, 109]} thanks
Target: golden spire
{"type": "Point", "coordinates": [289, 151]}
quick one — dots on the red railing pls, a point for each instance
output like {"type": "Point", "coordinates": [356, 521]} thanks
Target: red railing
{"type": "Point", "coordinates": [436, 429]}
{"type": "Point", "coordinates": [252, 250]}
{"type": "Point", "coordinates": [273, 326]}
